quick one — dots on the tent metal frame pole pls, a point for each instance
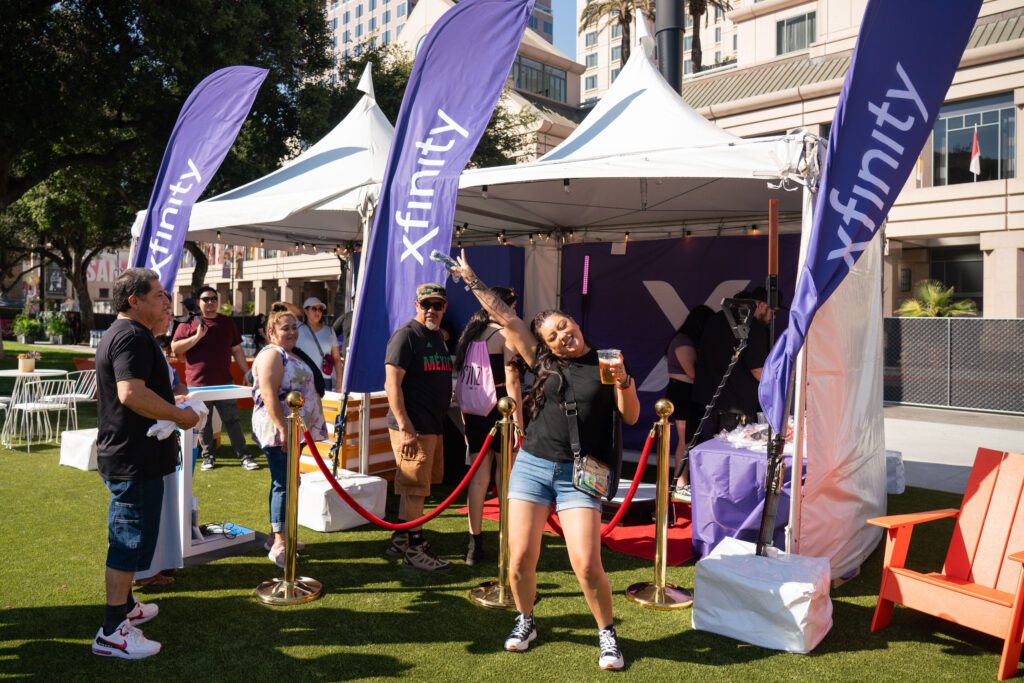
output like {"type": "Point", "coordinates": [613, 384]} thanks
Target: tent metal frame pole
{"type": "Point", "coordinates": [366, 213]}
{"type": "Point", "coordinates": [800, 395]}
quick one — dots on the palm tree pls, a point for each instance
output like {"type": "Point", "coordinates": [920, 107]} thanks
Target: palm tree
{"type": "Point", "coordinates": [933, 300]}
{"type": "Point", "coordinates": [603, 13]}
{"type": "Point", "coordinates": [698, 8]}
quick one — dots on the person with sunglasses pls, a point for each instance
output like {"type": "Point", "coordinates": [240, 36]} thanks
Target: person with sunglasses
{"type": "Point", "coordinates": [319, 342]}
{"type": "Point", "coordinates": [418, 382]}
{"type": "Point", "coordinates": [209, 342]}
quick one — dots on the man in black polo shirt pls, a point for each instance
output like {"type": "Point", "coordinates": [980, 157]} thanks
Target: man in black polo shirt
{"type": "Point", "coordinates": [133, 390]}
{"type": "Point", "coordinates": [418, 382]}
{"type": "Point", "coordinates": [738, 401]}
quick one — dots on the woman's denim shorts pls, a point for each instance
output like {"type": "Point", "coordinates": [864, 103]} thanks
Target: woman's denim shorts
{"type": "Point", "coordinates": [543, 482]}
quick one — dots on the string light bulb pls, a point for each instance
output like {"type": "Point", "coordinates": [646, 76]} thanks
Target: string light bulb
{"type": "Point", "coordinates": [627, 236]}
{"type": "Point", "coordinates": [753, 229]}
{"type": "Point", "coordinates": [565, 185]}
{"type": "Point", "coordinates": [483, 191]}
{"type": "Point", "coordinates": [262, 242]}
{"type": "Point", "coordinates": [218, 235]}
{"type": "Point", "coordinates": [531, 239]}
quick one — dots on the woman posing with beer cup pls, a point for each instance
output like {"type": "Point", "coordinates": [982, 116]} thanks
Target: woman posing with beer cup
{"type": "Point", "coordinates": [554, 347]}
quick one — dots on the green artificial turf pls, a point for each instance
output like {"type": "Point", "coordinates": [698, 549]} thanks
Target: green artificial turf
{"type": "Point", "coordinates": [377, 620]}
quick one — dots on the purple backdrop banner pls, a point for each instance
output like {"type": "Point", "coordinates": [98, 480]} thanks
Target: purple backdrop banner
{"type": "Point", "coordinates": [887, 107]}
{"type": "Point", "coordinates": [636, 301]}
{"type": "Point", "coordinates": [206, 128]}
{"type": "Point", "coordinates": [460, 70]}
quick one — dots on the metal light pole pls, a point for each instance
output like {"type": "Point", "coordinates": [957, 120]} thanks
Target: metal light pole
{"type": "Point", "coordinates": [668, 32]}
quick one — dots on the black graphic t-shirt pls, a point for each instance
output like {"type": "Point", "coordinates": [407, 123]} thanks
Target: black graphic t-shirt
{"type": "Point", "coordinates": [547, 435]}
{"type": "Point", "coordinates": [427, 385]}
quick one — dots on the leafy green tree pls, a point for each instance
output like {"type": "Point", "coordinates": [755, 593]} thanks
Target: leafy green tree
{"type": "Point", "coordinates": [933, 300]}
{"type": "Point", "coordinates": [92, 89]}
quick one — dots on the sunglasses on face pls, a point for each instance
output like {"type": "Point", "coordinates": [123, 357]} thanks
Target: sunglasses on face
{"type": "Point", "coordinates": [321, 309]}
{"type": "Point", "coordinates": [207, 299]}
{"type": "Point", "coordinates": [432, 305]}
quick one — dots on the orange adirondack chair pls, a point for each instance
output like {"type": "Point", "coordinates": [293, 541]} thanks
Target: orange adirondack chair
{"type": "Point", "coordinates": [981, 583]}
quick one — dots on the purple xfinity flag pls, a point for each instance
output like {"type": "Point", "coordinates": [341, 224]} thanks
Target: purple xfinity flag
{"type": "Point", "coordinates": [206, 128]}
{"type": "Point", "coordinates": [460, 70]}
{"type": "Point", "coordinates": [897, 80]}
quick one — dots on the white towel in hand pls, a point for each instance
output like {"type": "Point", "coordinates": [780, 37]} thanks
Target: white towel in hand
{"type": "Point", "coordinates": [162, 429]}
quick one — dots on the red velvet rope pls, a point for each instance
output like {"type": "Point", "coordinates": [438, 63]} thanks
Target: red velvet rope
{"type": "Point", "coordinates": [369, 516]}
{"type": "Point", "coordinates": [641, 465]}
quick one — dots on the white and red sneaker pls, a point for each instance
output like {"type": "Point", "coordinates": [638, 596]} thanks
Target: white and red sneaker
{"type": "Point", "coordinates": [142, 612]}
{"type": "Point", "coordinates": [127, 642]}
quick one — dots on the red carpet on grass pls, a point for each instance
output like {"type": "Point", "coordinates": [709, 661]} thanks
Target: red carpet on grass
{"type": "Point", "coordinates": [637, 540]}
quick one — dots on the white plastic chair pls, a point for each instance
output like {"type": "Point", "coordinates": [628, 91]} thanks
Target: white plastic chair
{"type": "Point", "coordinates": [83, 390]}
{"type": "Point", "coordinates": [32, 407]}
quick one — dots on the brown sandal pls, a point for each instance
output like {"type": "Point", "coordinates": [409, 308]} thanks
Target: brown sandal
{"type": "Point", "coordinates": [156, 581]}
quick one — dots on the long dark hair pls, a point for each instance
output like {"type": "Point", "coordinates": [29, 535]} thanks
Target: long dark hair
{"type": "Point", "coordinates": [477, 324]}
{"type": "Point", "coordinates": [693, 326]}
{"type": "Point", "coordinates": [545, 364]}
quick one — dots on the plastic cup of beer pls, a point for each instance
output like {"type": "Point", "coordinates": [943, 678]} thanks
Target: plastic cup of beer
{"type": "Point", "coordinates": [608, 360]}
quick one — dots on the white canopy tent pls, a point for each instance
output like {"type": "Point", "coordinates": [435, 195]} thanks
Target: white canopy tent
{"type": "Point", "coordinates": [319, 197]}
{"type": "Point", "coordinates": [642, 161]}
{"type": "Point", "coordinates": [646, 163]}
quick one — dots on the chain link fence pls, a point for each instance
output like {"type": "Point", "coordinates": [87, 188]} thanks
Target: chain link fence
{"type": "Point", "coordinates": [972, 363]}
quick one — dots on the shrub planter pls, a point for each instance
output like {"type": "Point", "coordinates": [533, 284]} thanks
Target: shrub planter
{"type": "Point", "coordinates": [26, 339]}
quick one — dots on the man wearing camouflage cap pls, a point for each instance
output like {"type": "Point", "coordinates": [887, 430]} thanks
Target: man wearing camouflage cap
{"type": "Point", "coordinates": [418, 382]}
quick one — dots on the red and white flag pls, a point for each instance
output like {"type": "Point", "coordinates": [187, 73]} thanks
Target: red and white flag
{"type": "Point", "coordinates": [975, 156]}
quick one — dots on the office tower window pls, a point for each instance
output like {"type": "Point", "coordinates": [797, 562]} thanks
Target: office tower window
{"type": "Point", "coordinates": [616, 30]}
{"type": "Point", "coordinates": [687, 43]}
{"type": "Point", "coordinates": [735, 41]}
{"type": "Point", "coordinates": [590, 39]}
{"type": "Point", "coordinates": [718, 34]}
{"type": "Point", "coordinates": [591, 60]}
{"type": "Point", "coordinates": [401, 10]}
{"type": "Point", "coordinates": [385, 38]}
{"type": "Point", "coordinates": [795, 33]}
{"type": "Point", "coordinates": [359, 11]}
{"type": "Point", "coordinates": [591, 82]}
{"type": "Point", "coordinates": [386, 17]}
{"type": "Point", "coordinates": [615, 74]}
{"type": "Point", "coordinates": [995, 121]}
{"type": "Point", "coordinates": [616, 53]}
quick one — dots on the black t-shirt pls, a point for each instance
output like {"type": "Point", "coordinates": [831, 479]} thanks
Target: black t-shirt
{"type": "Point", "coordinates": [123, 451]}
{"type": "Point", "coordinates": [713, 357]}
{"type": "Point", "coordinates": [427, 385]}
{"type": "Point", "coordinates": [547, 435]}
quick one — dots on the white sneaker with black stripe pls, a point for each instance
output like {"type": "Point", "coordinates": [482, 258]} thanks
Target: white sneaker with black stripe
{"type": "Point", "coordinates": [611, 657]}
{"type": "Point", "coordinates": [523, 633]}
{"type": "Point", "coordinates": [127, 642]}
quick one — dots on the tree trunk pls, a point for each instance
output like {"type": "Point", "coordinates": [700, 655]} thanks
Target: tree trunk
{"type": "Point", "coordinates": [202, 265]}
{"type": "Point", "coordinates": [81, 285]}
{"type": "Point", "coordinates": [626, 22]}
{"type": "Point", "coordinates": [697, 9]}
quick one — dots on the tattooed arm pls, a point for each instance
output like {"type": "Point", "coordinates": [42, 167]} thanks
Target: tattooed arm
{"type": "Point", "coordinates": [517, 332]}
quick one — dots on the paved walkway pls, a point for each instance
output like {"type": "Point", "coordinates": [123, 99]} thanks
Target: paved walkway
{"type": "Point", "coordinates": [939, 446]}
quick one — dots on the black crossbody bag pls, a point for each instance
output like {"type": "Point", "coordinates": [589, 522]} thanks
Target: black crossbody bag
{"type": "Point", "coordinates": [590, 475]}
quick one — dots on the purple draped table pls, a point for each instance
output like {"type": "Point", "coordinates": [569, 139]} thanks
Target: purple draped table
{"type": "Point", "coordinates": [727, 485]}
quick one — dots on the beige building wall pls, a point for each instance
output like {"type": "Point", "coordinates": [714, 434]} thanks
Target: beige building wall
{"type": "Point", "coordinates": [987, 216]}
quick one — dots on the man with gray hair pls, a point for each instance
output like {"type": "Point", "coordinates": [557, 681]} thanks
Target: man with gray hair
{"type": "Point", "coordinates": [133, 391]}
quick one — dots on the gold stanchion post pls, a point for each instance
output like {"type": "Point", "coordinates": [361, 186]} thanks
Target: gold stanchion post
{"type": "Point", "coordinates": [660, 594]}
{"type": "Point", "coordinates": [291, 590]}
{"type": "Point", "coordinates": [497, 593]}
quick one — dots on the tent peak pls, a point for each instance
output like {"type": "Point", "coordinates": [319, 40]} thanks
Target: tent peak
{"type": "Point", "coordinates": [366, 82]}
{"type": "Point", "coordinates": [643, 36]}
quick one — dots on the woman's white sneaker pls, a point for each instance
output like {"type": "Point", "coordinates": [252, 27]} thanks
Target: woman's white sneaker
{"type": "Point", "coordinates": [523, 633]}
{"type": "Point", "coordinates": [611, 657]}
{"type": "Point", "coordinates": [127, 642]}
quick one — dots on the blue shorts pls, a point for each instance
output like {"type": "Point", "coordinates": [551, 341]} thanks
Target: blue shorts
{"type": "Point", "coordinates": [543, 482]}
{"type": "Point", "coordinates": [133, 523]}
